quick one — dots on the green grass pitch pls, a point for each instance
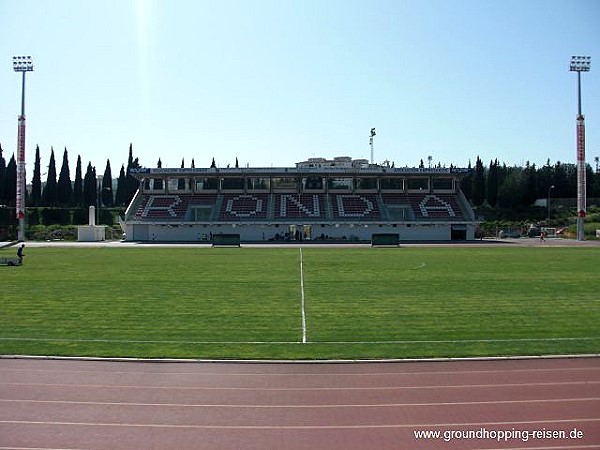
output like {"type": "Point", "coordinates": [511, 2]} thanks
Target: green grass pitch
{"type": "Point", "coordinates": [360, 303]}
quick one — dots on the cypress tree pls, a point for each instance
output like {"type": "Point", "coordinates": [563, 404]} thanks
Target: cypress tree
{"type": "Point", "coordinates": [10, 182]}
{"type": "Point", "coordinates": [120, 195]}
{"type": "Point", "coordinates": [50, 194]}
{"type": "Point", "coordinates": [595, 184]}
{"type": "Point", "coordinates": [560, 180]}
{"type": "Point", "coordinates": [78, 185]}
{"type": "Point", "coordinates": [65, 189]}
{"type": "Point", "coordinates": [511, 193]}
{"type": "Point", "coordinates": [571, 179]}
{"type": "Point", "coordinates": [130, 157]}
{"type": "Point", "coordinates": [545, 179]}
{"type": "Point", "coordinates": [2, 176]}
{"type": "Point", "coordinates": [590, 185]}
{"type": "Point", "coordinates": [107, 191]}
{"type": "Point", "coordinates": [478, 193]}
{"type": "Point", "coordinates": [492, 184]}
{"type": "Point", "coordinates": [502, 174]}
{"type": "Point", "coordinates": [466, 183]}
{"type": "Point", "coordinates": [131, 183]}
{"type": "Point", "coordinates": [90, 189]}
{"type": "Point", "coordinates": [36, 182]}
{"type": "Point", "coordinates": [530, 184]}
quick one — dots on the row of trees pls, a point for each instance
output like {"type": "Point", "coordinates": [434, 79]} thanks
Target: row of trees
{"type": "Point", "coordinates": [514, 187]}
{"type": "Point", "coordinates": [62, 191]}
{"type": "Point", "coordinates": [495, 185]}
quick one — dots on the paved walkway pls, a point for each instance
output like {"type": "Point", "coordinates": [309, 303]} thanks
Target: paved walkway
{"type": "Point", "coordinates": [529, 242]}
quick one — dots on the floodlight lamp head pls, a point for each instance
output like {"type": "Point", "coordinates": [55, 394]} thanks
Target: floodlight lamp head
{"type": "Point", "coordinates": [22, 64]}
{"type": "Point", "coordinates": [580, 63]}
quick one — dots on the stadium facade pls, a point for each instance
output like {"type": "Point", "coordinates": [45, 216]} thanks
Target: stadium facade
{"type": "Point", "coordinates": [318, 200]}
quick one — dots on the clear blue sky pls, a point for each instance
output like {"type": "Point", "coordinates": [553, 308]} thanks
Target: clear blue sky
{"type": "Point", "coordinates": [276, 82]}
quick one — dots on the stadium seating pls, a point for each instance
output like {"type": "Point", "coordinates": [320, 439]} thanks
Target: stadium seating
{"type": "Point", "coordinates": [294, 207]}
{"type": "Point", "coordinates": [355, 207]}
{"type": "Point", "coordinates": [244, 207]}
{"type": "Point", "coordinates": [162, 207]}
{"type": "Point", "coordinates": [427, 206]}
{"type": "Point", "coordinates": [299, 206]}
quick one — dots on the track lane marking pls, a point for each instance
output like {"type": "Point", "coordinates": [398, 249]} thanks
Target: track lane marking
{"type": "Point", "coordinates": [247, 406]}
{"type": "Point", "coordinates": [296, 427]}
{"type": "Point", "coordinates": [287, 389]}
{"type": "Point", "coordinates": [562, 447]}
{"type": "Point", "coordinates": [308, 374]}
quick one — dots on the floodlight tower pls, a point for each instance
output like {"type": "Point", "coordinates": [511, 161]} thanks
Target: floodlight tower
{"type": "Point", "coordinates": [580, 64]}
{"type": "Point", "coordinates": [21, 64]}
{"type": "Point", "coordinates": [371, 142]}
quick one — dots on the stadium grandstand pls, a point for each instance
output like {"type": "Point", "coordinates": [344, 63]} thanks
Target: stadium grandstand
{"type": "Point", "coordinates": [318, 200]}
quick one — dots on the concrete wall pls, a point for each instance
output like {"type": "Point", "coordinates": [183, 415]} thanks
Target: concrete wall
{"type": "Point", "coordinates": [348, 232]}
{"type": "Point", "coordinates": [91, 233]}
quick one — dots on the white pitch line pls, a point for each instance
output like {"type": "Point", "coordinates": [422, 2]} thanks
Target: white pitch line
{"type": "Point", "coordinates": [397, 342]}
{"type": "Point", "coordinates": [302, 298]}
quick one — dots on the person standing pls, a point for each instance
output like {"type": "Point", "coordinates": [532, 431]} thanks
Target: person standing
{"type": "Point", "coordinates": [20, 253]}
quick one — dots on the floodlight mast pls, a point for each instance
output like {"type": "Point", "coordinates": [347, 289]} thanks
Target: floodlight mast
{"type": "Point", "coordinates": [373, 134]}
{"type": "Point", "coordinates": [580, 64]}
{"type": "Point", "coordinates": [21, 64]}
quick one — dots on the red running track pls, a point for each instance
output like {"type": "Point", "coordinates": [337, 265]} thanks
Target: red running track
{"type": "Point", "coordinates": [103, 404]}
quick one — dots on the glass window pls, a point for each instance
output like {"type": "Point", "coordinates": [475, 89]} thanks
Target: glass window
{"type": "Point", "coordinates": [236, 184]}
{"type": "Point", "coordinates": [392, 184]}
{"type": "Point", "coordinates": [178, 185]}
{"type": "Point", "coordinates": [207, 184]}
{"type": "Point", "coordinates": [313, 183]}
{"type": "Point", "coordinates": [420, 184]}
{"type": "Point", "coordinates": [442, 183]}
{"type": "Point", "coordinates": [342, 184]}
{"type": "Point", "coordinates": [152, 185]}
{"type": "Point", "coordinates": [366, 183]}
{"type": "Point", "coordinates": [172, 184]}
{"type": "Point", "coordinates": [286, 183]}
{"type": "Point", "coordinates": [255, 184]}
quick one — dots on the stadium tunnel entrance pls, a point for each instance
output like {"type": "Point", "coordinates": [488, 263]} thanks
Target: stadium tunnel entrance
{"type": "Point", "coordinates": [300, 232]}
{"type": "Point", "coordinates": [458, 232]}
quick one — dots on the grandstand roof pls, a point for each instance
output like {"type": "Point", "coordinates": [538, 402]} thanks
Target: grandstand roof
{"type": "Point", "coordinates": [371, 170]}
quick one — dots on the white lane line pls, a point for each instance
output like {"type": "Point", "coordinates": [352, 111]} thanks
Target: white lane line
{"type": "Point", "coordinates": [562, 447]}
{"type": "Point", "coordinates": [301, 389]}
{"type": "Point", "coordinates": [296, 427]}
{"type": "Point", "coordinates": [315, 406]}
{"type": "Point", "coordinates": [302, 298]}
{"type": "Point", "coordinates": [309, 374]}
